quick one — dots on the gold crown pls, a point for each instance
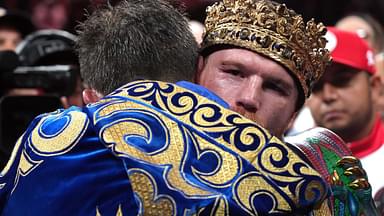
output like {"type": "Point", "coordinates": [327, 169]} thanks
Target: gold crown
{"type": "Point", "coordinates": [269, 28]}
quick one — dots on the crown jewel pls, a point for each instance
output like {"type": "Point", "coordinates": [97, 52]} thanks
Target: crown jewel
{"type": "Point", "coordinates": [273, 30]}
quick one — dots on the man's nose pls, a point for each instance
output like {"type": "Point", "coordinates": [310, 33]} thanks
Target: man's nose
{"type": "Point", "coordinates": [249, 96]}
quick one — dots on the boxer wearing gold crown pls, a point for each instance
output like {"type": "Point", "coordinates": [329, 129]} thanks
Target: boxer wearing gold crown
{"type": "Point", "coordinates": [263, 59]}
{"type": "Point", "coordinates": [157, 148]}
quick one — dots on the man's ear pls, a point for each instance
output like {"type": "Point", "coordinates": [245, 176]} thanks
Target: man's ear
{"type": "Point", "coordinates": [91, 95]}
{"type": "Point", "coordinates": [377, 88]}
{"type": "Point", "coordinates": [200, 67]}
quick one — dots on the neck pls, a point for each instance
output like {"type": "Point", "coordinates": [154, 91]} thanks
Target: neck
{"type": "Point", "coordinates": [370, 143]}
{"type": "Point", "coordinates": [359, 133]}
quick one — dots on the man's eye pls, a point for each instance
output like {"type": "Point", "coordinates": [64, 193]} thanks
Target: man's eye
{"type": "Point", "coordinates": [234, 72]}
{"type": "Point", "coordinates": [341, 82]}
{"type": "Point", "coordinates": [275, 87]}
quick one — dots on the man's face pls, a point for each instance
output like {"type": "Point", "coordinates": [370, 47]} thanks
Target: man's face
{"type": "Point", "coordinates": [9, 38]}
{"type": "Point", "coordinates": [342, 100]}
{"type": "Point", "coordinates": [48, 14]}
{"type": "Point", "coordinates": [254, 86]}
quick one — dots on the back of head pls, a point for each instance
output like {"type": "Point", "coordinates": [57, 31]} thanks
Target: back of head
{"type": "Point", "coordinates": [136, 39]}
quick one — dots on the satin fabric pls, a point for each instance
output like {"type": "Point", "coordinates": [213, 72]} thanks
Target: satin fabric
{"type": "Point", "coordinates": [154, 148]}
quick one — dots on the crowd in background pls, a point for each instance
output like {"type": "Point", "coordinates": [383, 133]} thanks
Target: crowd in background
{"type": "Point", "coordinates": [327, 11]}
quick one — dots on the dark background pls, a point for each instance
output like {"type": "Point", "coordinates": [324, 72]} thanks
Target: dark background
{"type": "Point", "coordinates": [326, 11]}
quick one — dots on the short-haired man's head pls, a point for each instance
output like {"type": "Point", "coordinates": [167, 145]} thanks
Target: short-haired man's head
{"type": "Point", "coordinates": [146, 39]}
{"type": "Point", "coordinates": [270, 29]}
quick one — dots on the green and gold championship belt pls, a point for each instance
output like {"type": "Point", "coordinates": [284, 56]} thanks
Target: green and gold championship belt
{"type": "Point", "coordinates": [185, 154]}
{"type": "Point", "coordinates": [328, 153]}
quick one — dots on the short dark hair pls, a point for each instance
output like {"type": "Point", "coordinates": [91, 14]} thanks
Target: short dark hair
{"type": "Point", "coordinates": [135, 39]}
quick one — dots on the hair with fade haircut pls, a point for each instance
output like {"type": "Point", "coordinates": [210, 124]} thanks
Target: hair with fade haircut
{"type": "Point", "coordinates": [135, 39]}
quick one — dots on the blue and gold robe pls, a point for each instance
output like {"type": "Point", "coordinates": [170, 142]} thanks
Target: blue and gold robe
{"type": "Point", "coordinates": [154, 148]}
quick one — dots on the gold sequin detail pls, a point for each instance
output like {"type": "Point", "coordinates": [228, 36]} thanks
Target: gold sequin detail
{"type": "Point", "coordinates": [152, 203]}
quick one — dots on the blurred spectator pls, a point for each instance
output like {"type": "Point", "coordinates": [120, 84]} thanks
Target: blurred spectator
{"type": "Point", "coordinates": [372, 31]}
{"type": "Point", "coordinates": [366, 27]}
{"type": "Point", "coordinates": [343, 99]}
{"type": "Point", "coordinates": [50, 14]}
{"type": "Point", "coordinates": [14, 26]}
